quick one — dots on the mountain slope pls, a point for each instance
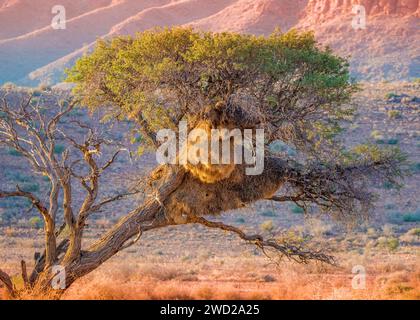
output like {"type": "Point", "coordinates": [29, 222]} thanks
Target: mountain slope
{"type": "Point", "coordinates": [32, 52]}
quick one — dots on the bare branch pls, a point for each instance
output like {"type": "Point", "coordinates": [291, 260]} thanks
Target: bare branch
{"type": "Point", "coordinates": [35, 201]}
{"type": "Point", "coordinates": [289, 251]}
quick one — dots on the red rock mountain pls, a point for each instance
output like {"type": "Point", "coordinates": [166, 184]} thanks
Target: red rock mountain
{"type": "Point", "coordinates": [31, 51]}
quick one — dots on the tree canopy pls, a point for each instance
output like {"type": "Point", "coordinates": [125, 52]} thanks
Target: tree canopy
{"type": "Point", "coordinates": [296, 88]}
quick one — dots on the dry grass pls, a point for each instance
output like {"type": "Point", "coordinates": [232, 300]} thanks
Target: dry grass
{"type": "Point", "coordinates": [384, 281]}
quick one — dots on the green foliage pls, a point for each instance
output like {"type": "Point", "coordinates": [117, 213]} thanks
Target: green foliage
{"type": "Point", "coordinates": [412, 217]}
{"type": "Point", "coordinates": [269, 213]}
{"type": "Point", "coordinates": [240, 220]}
{"type": "Point", "coordinates": [370, 152]}
{"type": "Point", "coordinates": [394, 114]}
{"type": "Point", "coordinates": [59, 149]}
{"type": "Point", "coordinates": [296, 209]}
{"type": "Point", "coordinates": [414, 232]}
{"type": "Point", "coordinates": [36, 222]}
{"type": "Point", "coordinates": [388, 185]}
{"type": "Point", "coordinates": [415, 167]}
{"type": "Point", "coordinates": [14, 152]}
{"type": "Point", "coordinates": [166, 74]}
{"type": "Point", "coordinates": [30, 187]}
{"type": "Point", "coordinates": [392, 244]}
{"type": "Point", "coordinates": [375, 134]}
{"type": "Point", "coordinates": [392, 141]}
{"type": "Point", "coordinates": [16, 176]}
{"type": "Point", "coordinates": [267, 226]}
{"type": "Point", "coordinates": [390, 95]}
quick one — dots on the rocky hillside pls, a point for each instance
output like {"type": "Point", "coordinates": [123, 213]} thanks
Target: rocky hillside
{"type": "Point", "coordinates": [32, 52]}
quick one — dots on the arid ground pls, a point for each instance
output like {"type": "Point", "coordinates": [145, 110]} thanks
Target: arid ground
{"type": "Point", "coordinates": [193, 262]}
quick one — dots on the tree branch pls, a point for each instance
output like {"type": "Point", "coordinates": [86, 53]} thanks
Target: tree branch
{"type": "Point", "coordinates": [292, 252]}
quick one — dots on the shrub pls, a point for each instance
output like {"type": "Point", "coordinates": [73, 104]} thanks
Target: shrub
{"type": "Point", "coordinates": [414, 232]}
{"type": "Point", "coordinates": [14, 153]}
{"type": "Point", "coordinates": [36, 222]}
{"type": "Point", "coordinates": [388, 185]}
{"type": "Point", "coordinates": [395, 218]}
{"type": "Point", "coordinates": [380, 141]}
{"type": "Point", "coordinates": [296, 209]}
{"type": "Point", "coordinates": [412, 217]}
{"type": "Point", "coordinates": [392, 244]}
{"type": "Point", "coordinates": [394, 114]}
{"type": "Point", "coordinates": [31, 187]}
{"type": "Point", "coordinates": [240, 220]}
{"type": "Point", "coordinates": [415, 167]}
{"type": "Point", "coordinates": [279, 146]}
{"type": "Point", "coordinates": [18, 177]}
{"type": "Point", "coordinates": [392, 141]}
{"type": "Point", "coordinates": [269, 213]}
{"type": "Point", "coordinates": [59, 149]}
{"type": "Point", "coordinates": [390, 95]}
{"type": "Point", "coordinates": [376, 134]}
{"type": "Point", "coordinates": [267, 226]}
{"type": "Point", "coordinates": [390, 206]}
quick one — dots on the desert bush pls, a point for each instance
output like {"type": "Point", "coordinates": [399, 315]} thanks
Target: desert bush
{"type": "Point", "coordinates": [296, 209]}
{"type": "Point", "coordinates": [390, 206]}
{"type": "Point", "coordinates": [59, 149]}
{"type": "Point", "coordinates": [396, 217]}
{"type": "Point", "coordinates": [390, 95]}
{"type": "Point", "coordinates": [14, 152]}
{"type": "Point", "coordinates": [30, 187]}
{"type": "Point", "coordinates": [16, 176]}
{"type": "Point", "coordinates": [377, 136]}
{"type": "Point", "coordinates": [392, 141]}
{"type": "Point", "coordinates": [415, 167]}
{"type": "Point", "coordinates": [414, 232]}
{"type": "Point", "coordinates": [240, 220]}
{"type": "Point", "coordinates": [389, 243]}
{"type": "Point", "coordinates": [388, 185]}
{"type": "Point", "coordinates": [36, 222]}
{"type": "Point", "coordinates": [267, 226]}
{"type": "Point", "coordinates": [394, 114]}
{"type": "Point", "coordinates": [412, 216]}
{"type": "Point", "coordinates": [269, 213]}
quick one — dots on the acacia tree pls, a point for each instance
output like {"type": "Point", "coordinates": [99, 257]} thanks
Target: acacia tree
{"type": "Point", "coordinates": [286, 84]}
